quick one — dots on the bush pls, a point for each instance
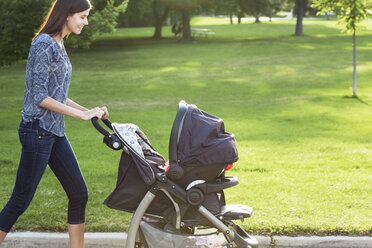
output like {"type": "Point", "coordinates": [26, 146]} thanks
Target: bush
{"type": "Point", "coordinates": [19, 21]}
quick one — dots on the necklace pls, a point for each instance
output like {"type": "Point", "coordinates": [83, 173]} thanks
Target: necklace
{"type": "Point", "coordinates": [61, 48]}
{"type": "Point", "coordinates": [59, 44]}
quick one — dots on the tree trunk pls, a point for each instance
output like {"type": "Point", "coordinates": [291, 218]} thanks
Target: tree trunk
{"type": "Point", "coordinates": [186, 29]}
{"type": "Point", "coordinates": [257, 19]}
{"type": "Point", "coordinates": [300, 16]}
{"type": "Point", "coordinates": [354, 65]}
{"type": "Point", "coordinates": [231, 18]}
{"type": "Point", "coordinates": [158, 30]}
{"type": "Point", "coordinates": [159, 20]}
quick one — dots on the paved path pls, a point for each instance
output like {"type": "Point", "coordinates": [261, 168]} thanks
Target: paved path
{"type": "Point", "coordinates": [116, 240]}
{"type": "Point", "coordinates": [60, 240]}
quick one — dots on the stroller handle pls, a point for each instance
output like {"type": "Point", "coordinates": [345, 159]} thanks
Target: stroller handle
{"type": "Point", "coordinates": [101, 129]}
{"type": "Point", "coordinates": [111, 140]}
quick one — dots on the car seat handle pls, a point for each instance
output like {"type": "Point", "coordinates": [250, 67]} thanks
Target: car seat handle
{"type": "Point", "coordinates": [176, 132]}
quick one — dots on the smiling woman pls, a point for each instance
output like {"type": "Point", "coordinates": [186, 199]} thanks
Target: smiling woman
{"type": "Point", "coordinates": [42, 128]}
{"type": "Point", "coordinates": [55, 23]}
{"type": "Point", "coordinates": [77, 21]}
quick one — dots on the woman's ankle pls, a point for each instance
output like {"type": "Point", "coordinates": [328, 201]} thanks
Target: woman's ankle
{"type": "Point", "coordinates": [76, 235]}
{"type": "Point", "coordinates": [2, 236]}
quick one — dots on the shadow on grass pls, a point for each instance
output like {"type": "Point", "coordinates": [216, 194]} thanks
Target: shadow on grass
{"type": "Point", "coordinates": [356, 98]}
{"type": "Point", "coordinates": [119, 43]}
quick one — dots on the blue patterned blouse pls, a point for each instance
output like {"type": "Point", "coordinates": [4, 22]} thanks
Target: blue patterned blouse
{"type": "Point", "coordinates": [48, 73]}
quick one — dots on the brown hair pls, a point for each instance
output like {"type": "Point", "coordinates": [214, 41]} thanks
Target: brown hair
{"type": "Point", "coordinates": [57, 16]}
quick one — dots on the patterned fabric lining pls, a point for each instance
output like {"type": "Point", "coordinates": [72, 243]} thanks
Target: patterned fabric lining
{"type": "Point", "coordinates": [135, 138]}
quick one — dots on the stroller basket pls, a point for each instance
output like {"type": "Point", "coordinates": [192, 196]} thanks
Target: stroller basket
{"type": "Point", "coordinates": [175, 200]}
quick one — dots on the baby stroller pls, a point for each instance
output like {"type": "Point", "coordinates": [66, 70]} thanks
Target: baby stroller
{"type": "Point", "coordinates": [179, 204]}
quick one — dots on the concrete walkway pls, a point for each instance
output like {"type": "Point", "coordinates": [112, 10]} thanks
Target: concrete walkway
{"type": "Point", "coordinates": [60, 240]}
{"type": "Point", "coordinates": [116, 240]}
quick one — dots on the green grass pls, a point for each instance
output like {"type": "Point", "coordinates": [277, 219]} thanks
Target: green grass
{"type": "Point", "coordinates": [304, 143]}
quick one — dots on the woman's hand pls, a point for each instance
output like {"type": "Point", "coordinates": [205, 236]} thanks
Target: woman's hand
{"type": "Point", "coordinates": [106, 115]}
{"type": "Point", "coordinates": [95, 112]}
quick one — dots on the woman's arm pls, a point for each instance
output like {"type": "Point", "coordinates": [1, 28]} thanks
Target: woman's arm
{"type": "Point", "coordinates": [75, 105]}
{"type": "Point", "coordinates": [53, 105]}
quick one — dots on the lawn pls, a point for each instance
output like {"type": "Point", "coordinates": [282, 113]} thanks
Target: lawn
{"type": "Point", "coordinates": [304, 143]}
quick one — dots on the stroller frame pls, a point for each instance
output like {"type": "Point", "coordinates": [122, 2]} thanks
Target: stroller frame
{"type": "Point", "coordinates": [239, 237]}
{"type": "Point", "coordinates": [233, 233]}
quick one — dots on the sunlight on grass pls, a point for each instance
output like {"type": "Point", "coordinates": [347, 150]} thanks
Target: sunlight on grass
{"type": "Point", "coordinates": [168, 69]}
{"type": "Point", "coordinates": [304, 143]}
{"type": "Point", "coordinates": [199, 85]}
{"type": "Point", "coordinates": [365, 67]}
{"type": "Point", "coordinates": [307, 46]}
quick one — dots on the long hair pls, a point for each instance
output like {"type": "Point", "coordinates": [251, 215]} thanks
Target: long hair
{"type": "Point", "coordinates": [57, 16]}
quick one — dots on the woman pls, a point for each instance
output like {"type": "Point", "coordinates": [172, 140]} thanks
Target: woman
{"type": "Point", "coordinates": [42, 127]}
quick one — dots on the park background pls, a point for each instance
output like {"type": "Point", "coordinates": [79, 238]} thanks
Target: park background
{"type": "Point", "coordinates": [304, 139]}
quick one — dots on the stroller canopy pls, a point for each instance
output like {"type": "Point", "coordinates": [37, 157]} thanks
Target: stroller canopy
{"type": "Point", "coordinates": [203, 140]}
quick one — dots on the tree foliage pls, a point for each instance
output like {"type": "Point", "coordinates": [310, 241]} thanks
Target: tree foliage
{"type": "Point", "coordinates": [273, 7]}
{"type": "Point", "coordinates": [20, 20]}
{"type": "Point", "coordinates": [254, 7]}
{"type": "Point", "coordinates": [139, 13]}
{"type": "Point", "coordinates": [352, 12]}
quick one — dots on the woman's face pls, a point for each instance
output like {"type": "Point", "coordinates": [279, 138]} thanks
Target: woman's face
{"type": "Point", "coordinates": [77, 21]}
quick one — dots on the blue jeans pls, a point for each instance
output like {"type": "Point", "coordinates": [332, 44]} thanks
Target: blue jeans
{"type": "Point", "coordinates": [39, 148]}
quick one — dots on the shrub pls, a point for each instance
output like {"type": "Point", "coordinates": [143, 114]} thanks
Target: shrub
{"type": "Point", "coordinates": [19, 20]}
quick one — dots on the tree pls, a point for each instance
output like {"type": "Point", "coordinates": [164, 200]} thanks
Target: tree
{"type": "Point", "coordinates": [185, 7]}
{"type": "Point", "coordinates": [353, 12]}
{"type": "Point", "coordinates": [226, 7]}
{"type": "Point", "coordinates": [19, 20]}
{"type": "Point", "coordinates": [257, 8]}
{"type": "Point", "coordinates": [160, 14]}
{"type": "Point", "coordinates": [139, 13]}
{"type": "Point", "coordinates": [300, 7]}
{"type": "Point", "coordinates": [145, 13]}
{"type": "Point", "coordinates": [273, 7]}
{"type": "Point", "coordinates": [254, 7]}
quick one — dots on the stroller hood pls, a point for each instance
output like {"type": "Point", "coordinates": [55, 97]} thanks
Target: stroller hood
{"type": "Point", "coordinates": [203, 140]}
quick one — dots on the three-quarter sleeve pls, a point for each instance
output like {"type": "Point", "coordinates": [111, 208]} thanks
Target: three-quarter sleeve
{"type": "Point", "coordinates": [41, 71]}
